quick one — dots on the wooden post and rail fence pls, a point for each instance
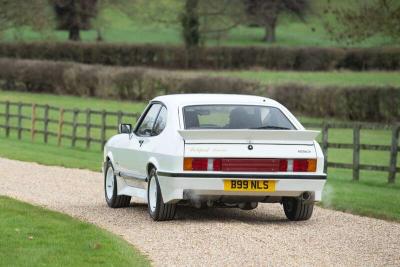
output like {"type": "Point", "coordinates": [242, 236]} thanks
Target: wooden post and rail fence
{"type": "Point", "coordinates": [87, 126]}
{"type": "Point", "coordinates": [56, 116]}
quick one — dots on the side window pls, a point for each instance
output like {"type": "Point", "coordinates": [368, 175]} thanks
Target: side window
{"type": "Point", "coordinates": [146, 126]}
{"type": "Point", "coordinates": [161, 121]}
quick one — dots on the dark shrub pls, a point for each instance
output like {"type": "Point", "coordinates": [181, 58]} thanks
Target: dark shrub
{"type": "Point", "coordinates": [174, 57]}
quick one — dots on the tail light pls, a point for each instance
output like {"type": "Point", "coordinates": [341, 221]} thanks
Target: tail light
{"type": "Point", "coordinates": [201, 164]}
{"type": "Point", "coordinates": [250, 165]}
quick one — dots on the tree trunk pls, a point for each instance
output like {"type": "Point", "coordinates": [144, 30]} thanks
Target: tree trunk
{"type": "Point", "coordinates": [270, 35]}
{"type": "Point", "coordinates": [190, 24]}
{"type": "Point", "coordinates": [99, 37]}
{"type": "Point", "coordinates": [74, 33]}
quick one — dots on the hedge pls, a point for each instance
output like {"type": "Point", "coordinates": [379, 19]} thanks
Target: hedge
{"type": "Point", "coordinates": [175, 57]}
{"type": "Point", "coordinates": [138, 84]}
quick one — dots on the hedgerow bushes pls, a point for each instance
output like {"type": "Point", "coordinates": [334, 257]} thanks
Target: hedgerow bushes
{"type": "Point", "coordinates": [174, 57]}
{"type": "Point", "coordinates": [137, 83]}
{"type": "Point", "coordinates": [130, 83]}
{"type": "Point", "coordinates": [381, 104]}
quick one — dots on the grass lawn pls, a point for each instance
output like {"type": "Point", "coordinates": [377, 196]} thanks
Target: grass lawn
{"type": "Point", "coordinates": [34, 236]}
{"type": "Point", "coordinates": [118, 27]}
{"type": "Point", "coordinates": [331, 78]}
{"type": "Point", "coordinates": [370, 196]}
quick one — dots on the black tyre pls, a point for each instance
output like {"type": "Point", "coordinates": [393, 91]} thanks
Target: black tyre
{"type": "Point", "coordinates": [157, 209]}
{"type": "Point", "coordinates": [297, 209]}
{"type": "Point", "coordinates": [110, 189]}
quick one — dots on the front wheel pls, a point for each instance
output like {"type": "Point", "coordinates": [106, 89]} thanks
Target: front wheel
{"type": "Point", "coordinates": [110, 190]}
{"type": "Point", "coordinates": [157, 209]}
{"type": "Point", "coordinates": [297, 209]}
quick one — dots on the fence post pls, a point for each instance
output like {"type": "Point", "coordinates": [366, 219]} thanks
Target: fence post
{"type": "Point", "coordinates": [46, 123]}
{"type": "Point", "coordinates": [393, 154]}
{"type": "Point", "coordinates": [325, 145]}
{"type": "Point", "coordinates": [7, 117]}
{"type": "Point", "coordinates": [88, 126]}
{"type": "Point", "coordinates": [119, 117]}
{"type": "Point", "coordinates": [356, 152]}
{"type": "Point", "coordinates": [74, 126]}
{"type": "Point", "coordinates": [33, 122]}
{"type": "Point", "coordinates": [103, 128]}
{"type": "Point", "coordinates": [60, 126]}
{"type": "Point", "coordinates": [19, 120]}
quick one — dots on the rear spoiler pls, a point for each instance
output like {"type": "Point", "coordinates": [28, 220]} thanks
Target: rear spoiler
{"type": "Point", "coordinates": [249, 135]}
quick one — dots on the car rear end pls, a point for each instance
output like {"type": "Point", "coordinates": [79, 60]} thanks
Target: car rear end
{"type": "Point", "coordinates": [237, 153]}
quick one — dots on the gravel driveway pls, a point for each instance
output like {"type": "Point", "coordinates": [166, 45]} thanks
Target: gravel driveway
{"type": "Point", "coordinates": [214, 237]}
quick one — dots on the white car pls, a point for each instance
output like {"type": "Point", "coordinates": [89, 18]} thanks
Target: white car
{"type": "Point", "coordinates": [215, 150]}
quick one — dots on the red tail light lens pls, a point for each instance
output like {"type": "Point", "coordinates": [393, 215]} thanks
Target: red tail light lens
{"type": "Point", "coordinates": [283, 164]}
{"type": "Point", "coordinates": [199, 164]}
{"type": "Point", "coordinates": [217, 164]}
{"type": "Point", "coordinates": [300, 165]}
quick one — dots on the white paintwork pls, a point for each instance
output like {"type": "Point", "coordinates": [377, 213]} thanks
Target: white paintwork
{"type": "Point", "coordinates": [174, 187]}
{"type": "Point", "coordinates": [259, 151]}
{"type": "Point", "coordinates": [249, 136]}
{"type": "Point", "coordinates": [167, 150]}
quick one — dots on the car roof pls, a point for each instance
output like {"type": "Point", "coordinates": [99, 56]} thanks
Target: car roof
{"type": "Point", "coordinates": [201, 99]}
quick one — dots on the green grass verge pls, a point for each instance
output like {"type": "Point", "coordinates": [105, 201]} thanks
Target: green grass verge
{"type": "Point", "coordinates": [34, 236]}
{"type": "Point", "coordinates": [370, 196]}
{"type": "Point", "coordinates": [50, 154]}
{"type": "Point", "coordinates": [332, 78]}
{"type": "Point", "coordinates": [72, 101]}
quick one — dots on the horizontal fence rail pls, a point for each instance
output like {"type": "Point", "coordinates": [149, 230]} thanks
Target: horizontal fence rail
{"type": "Point", "coordinates": [92, 126]}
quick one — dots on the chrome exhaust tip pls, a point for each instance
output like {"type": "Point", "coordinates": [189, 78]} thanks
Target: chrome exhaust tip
{"type": "Point", "coordinates": [306, 196]}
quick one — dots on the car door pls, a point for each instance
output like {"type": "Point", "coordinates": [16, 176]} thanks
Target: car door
{"type": "Point", "coordinates": [133, 158]}
{"type": "Point", "coordinates": [150, 142]}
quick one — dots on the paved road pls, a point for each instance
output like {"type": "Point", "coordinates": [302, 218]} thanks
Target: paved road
{"type": "Point", "coordinates": [213, 237]}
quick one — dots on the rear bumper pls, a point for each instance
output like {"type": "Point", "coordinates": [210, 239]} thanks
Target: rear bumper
{"type": "Point", "coordinates": [173, 185]}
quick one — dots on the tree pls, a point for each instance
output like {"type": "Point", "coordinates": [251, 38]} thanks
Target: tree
{"type": "Point", "coordinates": [190, 23]}
{"type": "Point", "coordinates": [218, 17]}
{"type": "Point", "coordinates": [74, 15]}
{"type": "Point", "coordinates": [197, 20]}
{"type": "Point", "coordinates": [266, 13]}
{"type": "Point", "coordinates": [354, 24]}
{"type": "Point", "coordinates": [15, 14]}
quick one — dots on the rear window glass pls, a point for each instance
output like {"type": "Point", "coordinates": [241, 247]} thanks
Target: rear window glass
{"type": "Point", "coordinates": [235, 117]}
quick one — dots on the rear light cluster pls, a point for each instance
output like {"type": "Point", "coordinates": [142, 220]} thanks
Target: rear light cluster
{"type": "Point", "coordinates": [249, 165]}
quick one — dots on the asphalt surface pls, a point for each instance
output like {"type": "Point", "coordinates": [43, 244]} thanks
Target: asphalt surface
{"type": "Point", "coordinates": [212, 237]}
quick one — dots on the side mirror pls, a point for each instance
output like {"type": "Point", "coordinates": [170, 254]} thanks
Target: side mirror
{"type": "Point", "coordinates": [124, 128]}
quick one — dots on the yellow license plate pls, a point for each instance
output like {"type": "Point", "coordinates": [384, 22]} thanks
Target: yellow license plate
{"type": "Point", "coordinates": [249, 185]}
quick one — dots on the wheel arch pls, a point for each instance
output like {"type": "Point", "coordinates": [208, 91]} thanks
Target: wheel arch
{"type": "Point", "coordinates": [153, 163]}
{"type": "Point", "coordinates": [109, 157]}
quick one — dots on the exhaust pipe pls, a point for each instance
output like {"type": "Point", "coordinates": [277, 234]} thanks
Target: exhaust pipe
{"type": "Point", "coordinates": [305, 196]}
{"type": "Point", "coordinates": [248, 205]}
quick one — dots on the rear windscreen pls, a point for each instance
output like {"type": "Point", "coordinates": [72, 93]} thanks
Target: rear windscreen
{"type": "Point", "coordinates": [235, 117]}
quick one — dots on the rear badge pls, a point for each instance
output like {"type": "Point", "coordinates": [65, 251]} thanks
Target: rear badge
{"type": "Point", "coordinates": [304, 151]}
{"type": "Point", "coordinates": [250, 147]}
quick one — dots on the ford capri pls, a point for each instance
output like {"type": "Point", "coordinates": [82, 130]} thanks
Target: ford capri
{"type": "Point", "coordinates": [214, 150]}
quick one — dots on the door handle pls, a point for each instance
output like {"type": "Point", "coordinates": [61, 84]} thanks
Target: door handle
{"type": "Point", "coordinates": [141, 142]}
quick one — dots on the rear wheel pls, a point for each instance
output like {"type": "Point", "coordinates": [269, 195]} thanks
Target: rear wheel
{"type": "Point", "coordinates": [110, 190]}
{"type": "Point", "coordinates": [297, 209]}
{"type": "Point", "coordinates": [157, 209]}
